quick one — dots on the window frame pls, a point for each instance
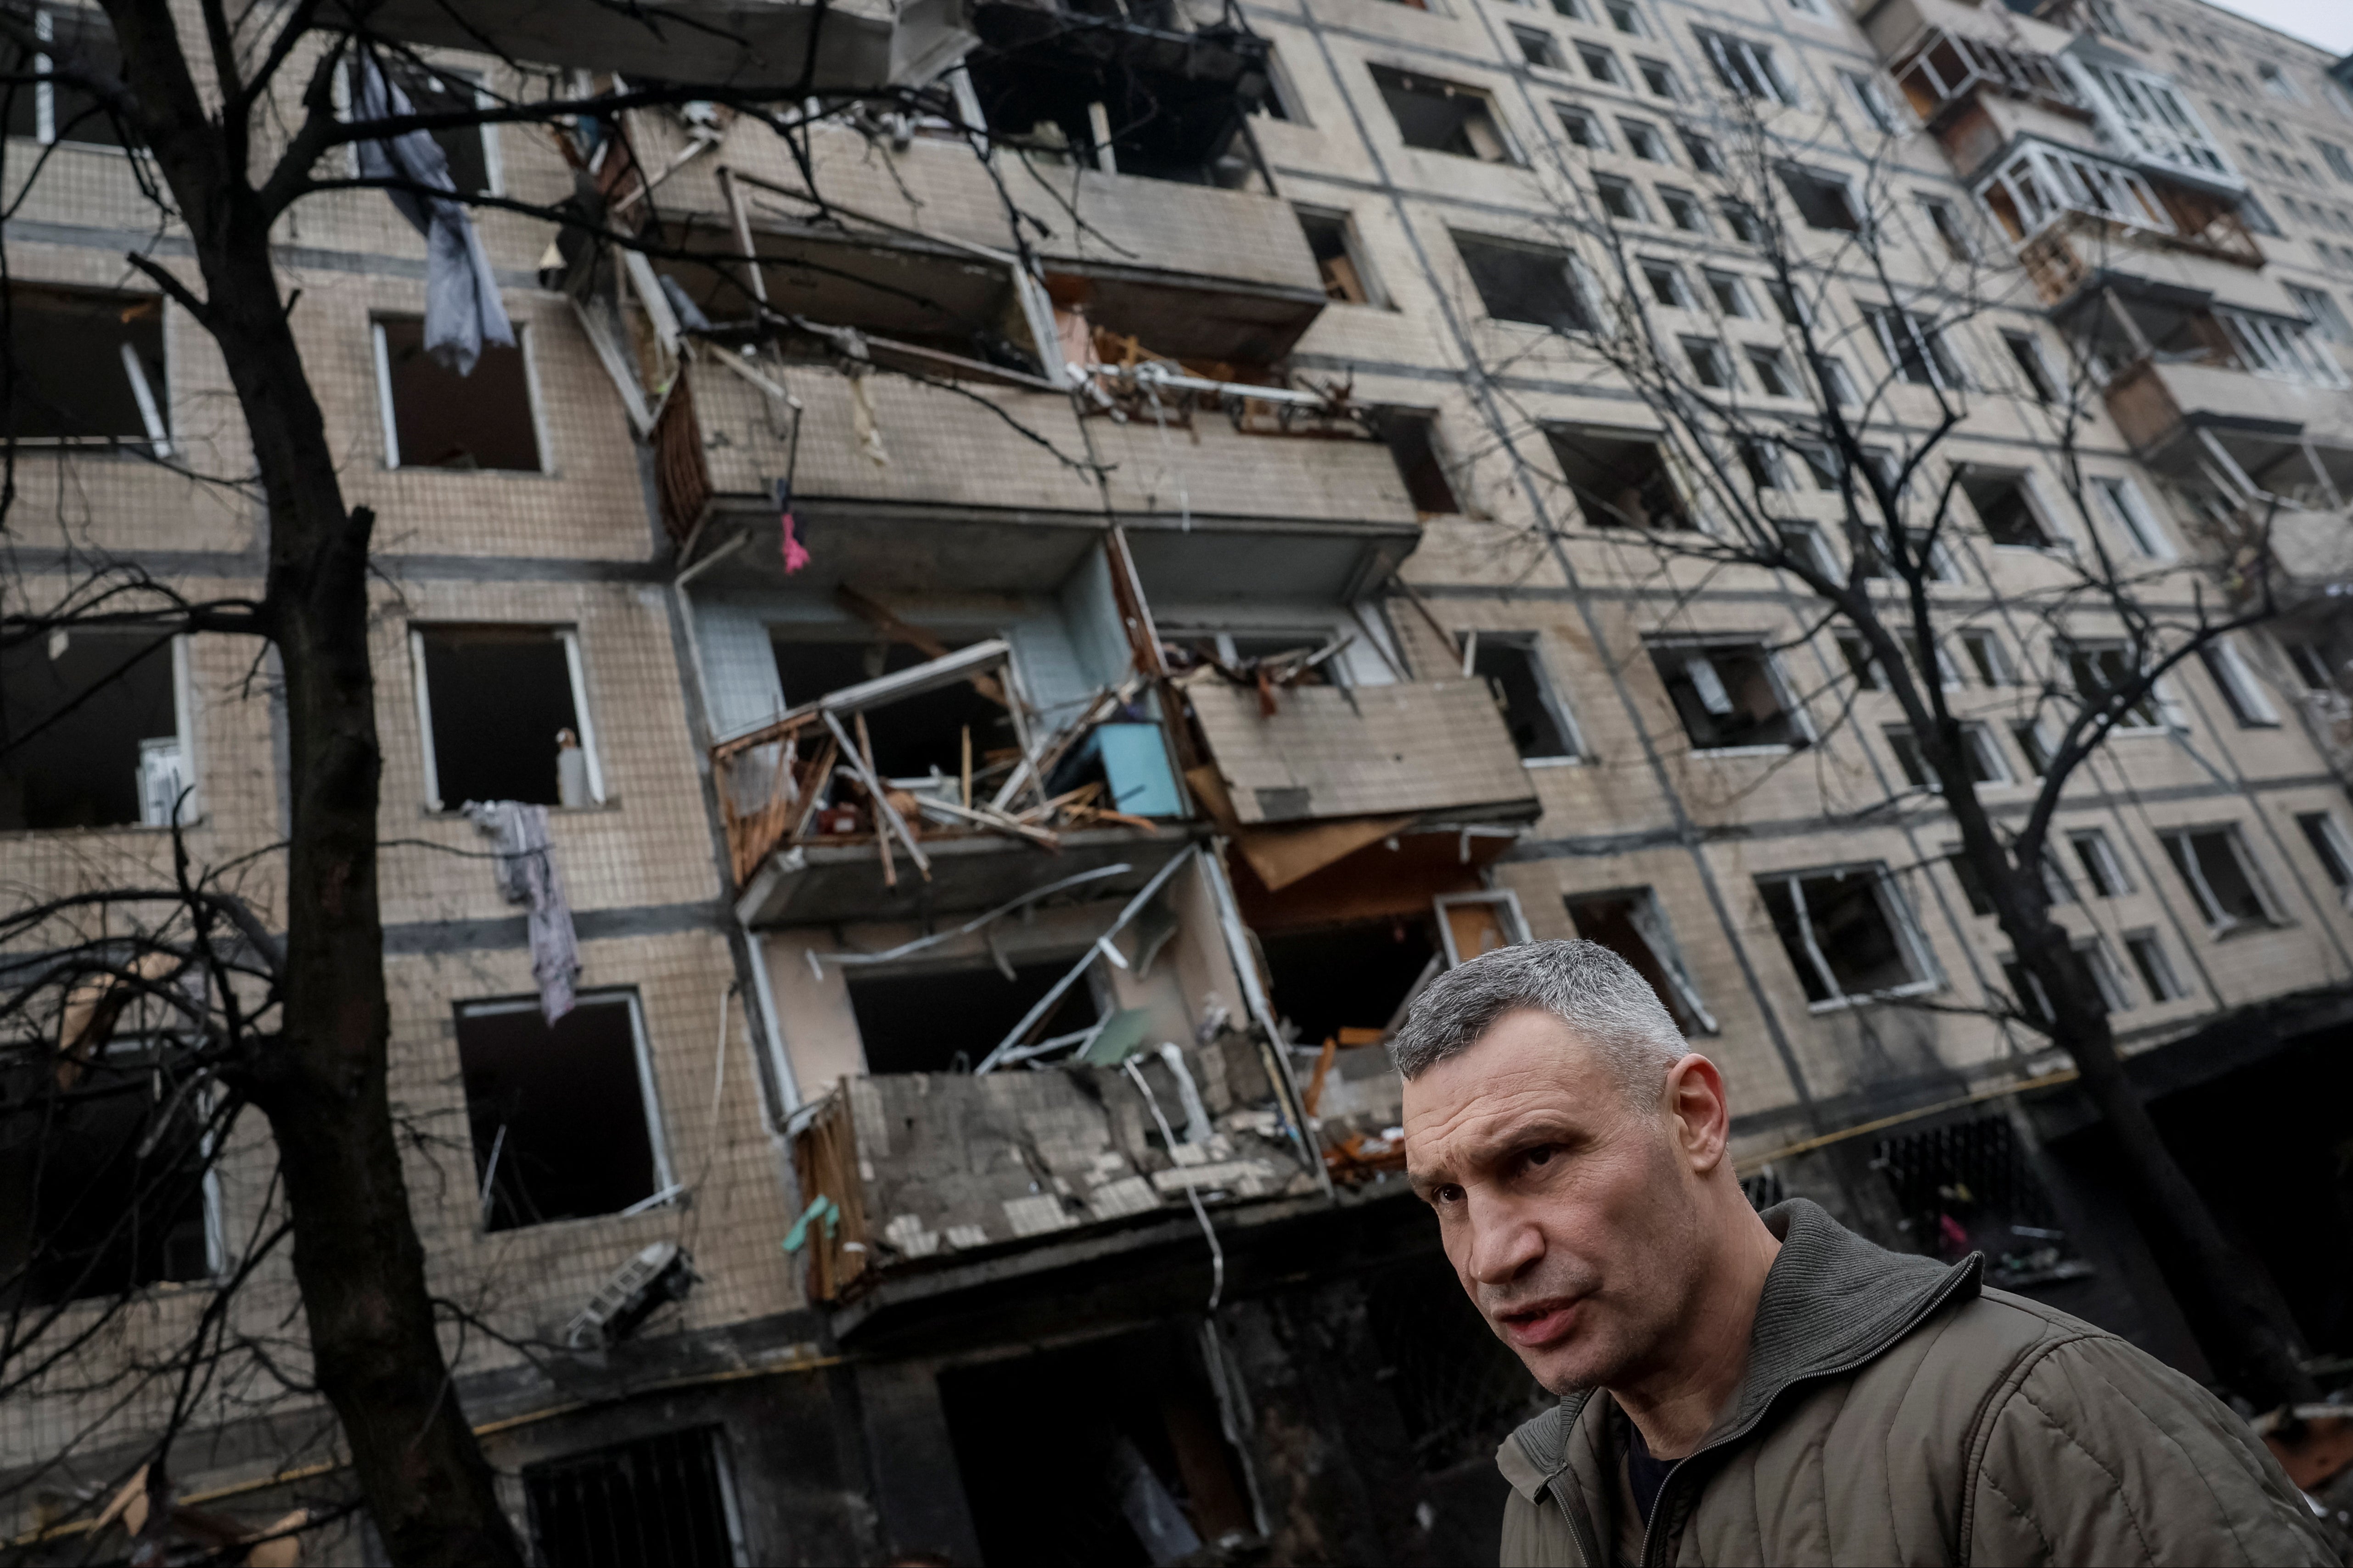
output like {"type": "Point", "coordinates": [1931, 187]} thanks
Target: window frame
{"type": "Point", "coordinates": [1748, 68]}
{"type": "Point", "coordinates": [2241, 688]}
{"type": "Point", "coordinates": [45, 112]}
{"type": "Point", "coordinates": [1785, 694]}
{"type": "Point", "coordinates": [2103, 867]}
{"type": "Point", "coordinates": [1895, 909]}
{"type": "Point", "coordinates": [389, 421]}
{"type": "Point", "coordinates": [567, 635]}
{"type": "Point", "coordinates": [2333, 847]}
{"type": "Point", "coordinates": [2154, 966]}
{"type": "Point", "coordinates": [2219, 922]}
{"type": "Point", "coordinates": [1506, 904]}
{"type": "Point", "coordinates": [1549, 691]}
{"type": "Point", "coordinates": [2122, 499]}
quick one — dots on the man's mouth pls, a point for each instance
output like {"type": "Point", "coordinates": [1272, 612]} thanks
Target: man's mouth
{"type": "Point", "coordinates": [1542, 1322]}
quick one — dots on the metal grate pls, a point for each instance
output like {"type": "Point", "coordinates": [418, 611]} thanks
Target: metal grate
{"type": "Point", "coordinates": [659, 1502]}
{"type": "Point", "coordinates": [1967, 1187]}
{"type": "Point", "coordinates": [1459, 1390]}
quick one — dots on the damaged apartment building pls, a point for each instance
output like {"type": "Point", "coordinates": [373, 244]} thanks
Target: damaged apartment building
{"type": "Point", "coordinates": [1033, 649]}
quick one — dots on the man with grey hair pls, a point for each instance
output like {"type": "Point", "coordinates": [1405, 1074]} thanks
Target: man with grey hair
{"type": "Point", "coordinates": [1747, 1388]}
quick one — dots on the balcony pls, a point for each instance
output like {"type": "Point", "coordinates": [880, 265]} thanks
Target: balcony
{"type": "Point", "coordinates": [1945, 71]}
{"type": "Point", "coordinates": [2196, 419]}
{"type": "Point", "coordinates": [2078, 244]}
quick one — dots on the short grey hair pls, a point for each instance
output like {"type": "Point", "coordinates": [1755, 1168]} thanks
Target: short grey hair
{"type": "Point", "coordinates": [1602, 998]}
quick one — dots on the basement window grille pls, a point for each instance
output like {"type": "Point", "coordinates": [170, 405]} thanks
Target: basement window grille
{"type": "Point", "coordinates": [1969, 1187]}
{"type": "Point", "coordinates": [666, 1501]}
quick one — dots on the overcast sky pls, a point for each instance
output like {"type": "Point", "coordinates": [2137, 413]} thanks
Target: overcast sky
{"type": "Point", "coordinates": [2328, 22]}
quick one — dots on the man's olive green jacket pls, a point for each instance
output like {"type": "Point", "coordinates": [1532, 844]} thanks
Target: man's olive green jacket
{"type": "Point", "coordinates": [1893, 1412]}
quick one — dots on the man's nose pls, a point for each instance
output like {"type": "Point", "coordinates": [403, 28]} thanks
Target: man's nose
{"type": "Point", "coordinates": [1504, 1241]}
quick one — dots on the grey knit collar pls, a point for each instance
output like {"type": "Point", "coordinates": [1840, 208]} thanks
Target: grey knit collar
{"type": "Point", "coordinates": [1832, 1302]}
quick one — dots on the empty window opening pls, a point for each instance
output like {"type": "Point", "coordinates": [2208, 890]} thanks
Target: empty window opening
{"type": "Point", "coordinates": [1868, 97]}
{"type": "Point", "coordinates": [1332, 239]}
{"type": "Point", "coordinates": [1601, 64]}
{"type": "Point", "coordinates": [916, 736]}
{"type": "Point", "coordinates": [1582, 128]}
{"type": "Point", "coordinates": [1440, 117]}
{"type": "Point", "coordinates": [1761, 461]}
{"type": "Point", "coordinates": [2220, 874]}
{"type": "Point", "coordinates": [1108, 1454]}
{"type": "Point", "coordinates": [1981, 759]}
{"type": "Point", "coordinates": [1742, 219]}
{"type": "Point", "coordinates": [2101, 867]}
{"type": "Point", "coordinates": [1807, 547]}
{"type": "Point", "coordinates": [1860, 662]}
{"type": "Point", "coordinates": [2240, 686]}
{"type": "Point", "coordinates": [947, 1020]}
{"type": "Point", "coordinates": [1115, 94]}
{"type": "Point", "coordinates": [1351, 976]}
{"type": "Point", "coordinates": [2027, 355]}
{"type": "Point", "coordinates": [434, 417]}
{"type": "Point", "coordinates": [1666, 282]}
{"type": "Point", "coordinates": [2004, 502]}
{"type": "Point", "coordinates": [1772, 372]}
{"type": "Point", "coordinates": [77, 39]}
{"type": "Point", "coordinates": [2098, 669]}
{"type": "Point", "coordinates": [1625, 17]}
{"type": "Point", "coordinates": [561, 1116]}
{"type": "Point", "coordinates": [2121, 499]}
{"type": "Point", "coordinates": [1944, 219]}
{"type": "Point", "coordinates": [1847, 932]}
{"type": "Point", "coordinates": [1749, 70]}
{"type": "Point", "coordinates": [1530, 283]}
{"type": "Point", "coordinates": [1824, 201]}
{"type": "Point", "coordinates": [665, 1501]}
{"type": "Point", "coordinates": [505, 716]}
{"type": "Point", "coordinates": [1619, 198]}
{"type": "Point", "coordinates": [2312, 665]}
{"type": "Point", "coordinates": [1412, 441]}
{"type": "Point", "coordinates": [1712, 370]}
{"type": "Point", "coordinates": [2330, 847]}
{"type": "Point", "coordinates": [1684, 210]}
{"type": "Point", "coordinates": [1642, 140]}
{"type": "Point", "coordinates": [1730, 296]}
{"type": "Point", "coordinates": [1659, 77]}
{"type": "Point", "coordinates": [90, 732]}
{"type": "Point", "coordinates": [1537, 48]}
{"type": "Point", "coordinates": [112, 1176]}
{"type": "Point", "coordinates": [2095, 975]}
{"type": "Point", "coordinates": [2156, 969]}
{"type": "Point", "coordinates": [1634, 925]}
{"type": "Point", "coordinates": [1728, 694]}
{"type": "Point", "coordinates": [88, 369]}
{"type": "Point", "coordinates": [1987, 657]}
{"type": "Point", "coordinates": [1512, 666]}
{"type": "Point", "coordinates": [1619, 482]}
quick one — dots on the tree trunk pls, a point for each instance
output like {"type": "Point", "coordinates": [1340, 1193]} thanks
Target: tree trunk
{"type": "Point", "coordinates": [375, 1352]}
{"type": "Point", "coordinates": [2234, 1310]}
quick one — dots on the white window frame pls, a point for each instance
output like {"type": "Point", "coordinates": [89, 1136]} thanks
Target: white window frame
{"type": "Point", "coordinates": [569, 637]}
{"type": "Point", "coordinates": [664, 1182]}
{"type": "Point", "coordinates": [2126, 507]}
{"type": "Point", "coordinates": [1506, 904]}
{"type": "Point", "coordinates": [2160, 697]}
{"type": "Point", "coordinates": [1946, 371]}
{"type": "Point", "coordinates": [2280, 350]}
{"type": "Point", "coordinates": [1995, 666]}
{"type": "Point", "coordinates": [2241, 689]}
{"type": "Point", "coordinates": [536, 409]}
{"type": "Point", "coordinates": [1741, 307]}
{"type": "Point", "coordinates": [1893, 909]}
{"type": "Point", "coordinates": [1677, 285]}
{"type": "Point", "coordinates": [2046, 183]}
{"type": "Point", "coordinates": [2101, 863]}
{"type": "Point", "coordinates": [45, 101]}
{"type": "Point", "coordinates": [1689, 647]}
{"type": "Point", "coordinates": [2102, 965]}
{"type": "Point", "coordinates": [2144, 112]}
{"type": "Point", "coordinates": [1638, 133]}
{"type": "Point", "coordinates": [1748, 68]}
{"type": "Point", "coordinates": [1864, 91]}
{"type": "Point", "coordinates": [1548, 693]}
{"type": "Point", "coordinates": [2219, 922]}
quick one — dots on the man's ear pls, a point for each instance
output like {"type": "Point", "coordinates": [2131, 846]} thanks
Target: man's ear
{"type": "Point", "coordinates": [1702, 1116]}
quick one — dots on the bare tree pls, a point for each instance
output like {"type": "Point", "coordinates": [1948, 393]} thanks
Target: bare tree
{"type": "Point", "coordinates": [2107, 630]}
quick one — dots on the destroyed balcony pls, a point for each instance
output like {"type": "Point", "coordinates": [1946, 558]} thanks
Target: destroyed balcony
{"type": "Point", "coordinates": [2239, 404]}
{"type": "Point", "coordinates": [2077, 219]}
{"type": "Point", "coordinates": [1942, 75]}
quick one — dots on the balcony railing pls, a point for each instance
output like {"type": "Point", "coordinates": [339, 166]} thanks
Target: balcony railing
{"type": "Point", "coordinates": [1947, 69]}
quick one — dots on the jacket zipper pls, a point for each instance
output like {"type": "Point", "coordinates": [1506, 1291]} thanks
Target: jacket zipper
{"type": "Point", "coordinates": [1652, 1534]}
{"type": "Point", "coordinates": [1580, 1529]}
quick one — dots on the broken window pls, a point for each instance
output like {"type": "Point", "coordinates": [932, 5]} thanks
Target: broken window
{"type": "Point", "coordinates": [1711, 369]}
{"type": "Point", "coordinates": [87, 367]}
{"type": "Point", "coordinates": [1632, 925]}
{"type": "Point", "coordinates": [2312, 665]}
{"type": "Point", "coordinates": [1353, 975]}
{"type": "Point", "coordinates": [1642, 140]}
{"type": "Point", "coordinates": [1973, 886]}
{"type": "Point", "coordinates": [90, 732]}
{"type": "Point", "coordinates": [504, 715]}
{"type": "Point", "coordinates": [2099, 862]}
{"type": "Point", "coordinates": [1619, 482]}
{"type": "Point", "coordinates": [1969, 1187]}
{"type": "Point", "coordinates": [1107, 1452]}
{"type": "Point", "coordinates": [1601, 64]}
{"type": "Point", "coordinates": [1805, 545]}
{"type": "Point", "coordinates": [2004, 502]}
{"type": "Point", "coordinates": [1861, 662]}
{"type": "Point", "coordinates": [1749, 70]}
{"type": "Point", "coordinates": [948, 1019]}
{"type": "Point", "coordinates": [1440, 117]}
{"type": "Point", "coordinates": [563, 1117]}
{"type": "Point", "coordinates": [1583, 130]}
{"type": "Point", "coordinates": [1513, 667]}
{"type": "Point", "coordinates": [1684, 210]}
{"type": "Point", "coordinates": [1916, 348]}
{"type": "Point", "coordinates": [1987, 657]}
{"type": "Point", "coordinates": [1472, 924]}
{"type": "Point", "coordinates": [75, 40]}
{"type": "Point", "coordinates": [2239, 686]}
{"type": "Point", "coordinates": [1412, 442]}
{"type": "Point", "coordinates": [434, 417]}
{"type": "Point", "coordinates": [2121, 499]}
{"type": "Point", "coordinates": [1728, 694]}
{"type": "Point", "coordinates": [1865, 93]}
{"type": "Point", "coordinates": [2330, 847]}
{"type": "Point", "coordinates": [2099, 668]}
{"type": "Point", "coordinates": [2095, 972]}
{"type": "Point", "coordinates": [2156, 970]}
{"type": "Point", "coordinates": [917, 736]}
{"type": "Point", "coordinates": [1945, 219]}
{"type": "Point", "coordinates": [1332, 239]}
{"type": "Point", "coordinates": [1848, 933]}
{"type": "Point", "coordinates": [1520, 283]}
{"type": "Point", "coordinates": [664, 1501]}
{"type": "Point", "coordinates": [1772, 372]}
{"type": "Point", "coordinates": [1742, 219]}
{"type": "Point", "coordinates": [2221, 873]}
{"type": "Point", "coordinates": [2027, 355]}
{"type": "Point", "coordinates": [1730, 296]}
{"type": "Point", "coordinates": [1666, 282]}
{"type": "Point", "coordinates": [112, 1189]}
